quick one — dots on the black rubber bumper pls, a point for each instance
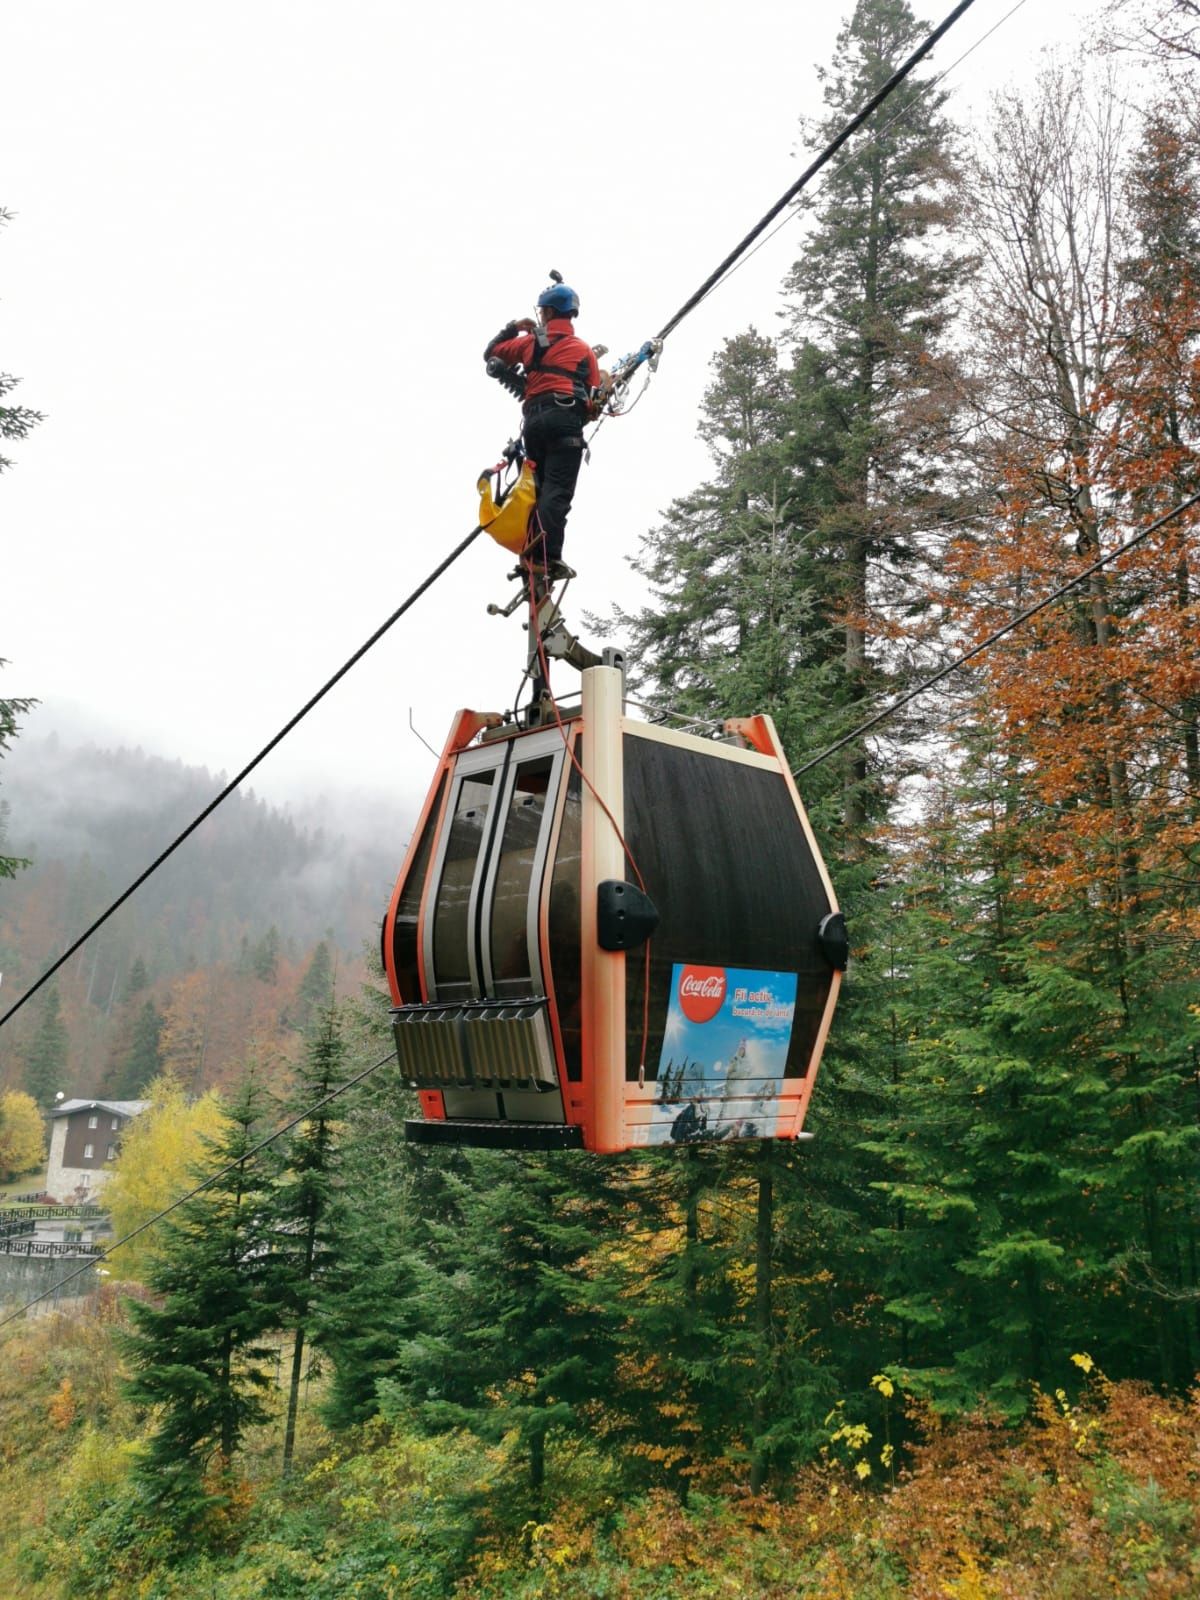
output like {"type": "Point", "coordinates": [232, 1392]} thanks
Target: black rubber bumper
{"type": "Point", "coordinates": [496, 1135]}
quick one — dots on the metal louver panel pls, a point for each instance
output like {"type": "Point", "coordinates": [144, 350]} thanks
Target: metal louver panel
{"type": "Point", "coordinates": [481, 1044]}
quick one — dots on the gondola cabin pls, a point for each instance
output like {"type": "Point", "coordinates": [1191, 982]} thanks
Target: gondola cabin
{"type": "Point", "coordinates": [518, 943]}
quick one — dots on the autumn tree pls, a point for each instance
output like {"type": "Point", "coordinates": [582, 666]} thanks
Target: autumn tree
{"type": "Point", "coordinates": [159, 1150]}
{"type": "Point", "coordinates": [22, 1136]}
{"type": "Point", "coordinates": [1033, 1165]}
{"type": "Point", "coordinates": [186, 1026]}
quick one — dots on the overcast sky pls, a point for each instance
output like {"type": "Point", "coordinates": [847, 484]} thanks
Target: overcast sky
{"type": "Point", "coordinates": [257, 250]}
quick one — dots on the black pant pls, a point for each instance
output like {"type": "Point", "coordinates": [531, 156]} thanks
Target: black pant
{"type": "Point", "coordinates": [554, 442]}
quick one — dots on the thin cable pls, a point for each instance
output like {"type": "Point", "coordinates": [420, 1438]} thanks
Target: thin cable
{"type": "Point", "coordinates": [244, 773]}
{"type": "Point", "coordinates": [826, 155]}
{"type": "Point", "coordinates": [831, 149]}
{"type": "Point", "coordinates": [1022, 617]}
{"type": "Point", "coordinates": [925, 88]}
{"type": "Point", "coordinates": [199, 1189]}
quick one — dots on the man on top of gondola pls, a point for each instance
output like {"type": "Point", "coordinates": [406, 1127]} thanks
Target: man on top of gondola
{"type": "Point", "coordinates": [562, 384]}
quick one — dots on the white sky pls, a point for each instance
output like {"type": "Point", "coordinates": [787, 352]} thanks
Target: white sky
{"type": "Point", "coordinates": [257, 251]}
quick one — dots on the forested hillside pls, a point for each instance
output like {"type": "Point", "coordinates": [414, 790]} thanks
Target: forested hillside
{"type": "Point", "coordinates": [950, 1347]}
{"type": "Point", "coordinates": [216, 943]}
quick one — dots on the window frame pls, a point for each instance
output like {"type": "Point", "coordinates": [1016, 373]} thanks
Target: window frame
{"type": "Point", "coordinates": [530, 749]}
{"type": "Point", "coordinates": [503, 759]}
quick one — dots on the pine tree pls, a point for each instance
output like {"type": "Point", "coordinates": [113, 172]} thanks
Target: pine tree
{"type": "Point", "coordinates": [15, 421]}
{"type": "Point", "coordinates": [366, 1307]}
{"type": "Point", "coordinates": [265, 957]}
{"type": "Point", "coordinates": [677, 1400]}
{"type": "Point", "coordinates": [305, 1244]}
{"type": "Point", "coordinates": [315, 993]}
{"type": "Point", "coordinates": [197, 1356]}
{"type": "Point", "coordinates": [516, 1334]}
{"type": "Point", "coordinates": [734, 627]}
{"type": "Point", "coordinates": [10, 711]}
{"type": "Point", "coordinates": [782, 585]}
{"type": "Point", "coordinates": [138, 979]}
{"type": "Point", "coordinates": [46, 1057]}
{"type": "Point", "coordinates": [142, 1061]}
{"type": "Point", "coordinates": [875, 394]}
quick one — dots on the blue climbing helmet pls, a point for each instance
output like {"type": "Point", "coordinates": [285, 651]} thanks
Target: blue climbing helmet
{"type": "Point", "coordinates": [558, 297]}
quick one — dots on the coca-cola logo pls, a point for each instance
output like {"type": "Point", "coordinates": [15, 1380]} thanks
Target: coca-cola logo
{"type": "Point", "coordinates": [701, 992]}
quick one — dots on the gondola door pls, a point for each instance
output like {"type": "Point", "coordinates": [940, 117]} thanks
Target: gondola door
{"type": "Point", "coordinates": [481, 955]}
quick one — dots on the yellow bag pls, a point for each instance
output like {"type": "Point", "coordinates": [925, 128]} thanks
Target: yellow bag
{"type": "Point", "coordinates": [508, 523]}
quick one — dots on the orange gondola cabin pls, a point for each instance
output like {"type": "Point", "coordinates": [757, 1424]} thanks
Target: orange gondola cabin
{"type": "Point", "coordinates": [553, 871]}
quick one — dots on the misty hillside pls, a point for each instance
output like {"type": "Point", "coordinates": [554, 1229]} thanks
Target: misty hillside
{"type": "Point", "coordinates": [219, 941]}
{"type": "Point", "coordinates": [92, 820]}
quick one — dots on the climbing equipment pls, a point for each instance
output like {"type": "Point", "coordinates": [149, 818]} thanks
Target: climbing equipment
{"type": "Point", "coordinates": [507, 496]}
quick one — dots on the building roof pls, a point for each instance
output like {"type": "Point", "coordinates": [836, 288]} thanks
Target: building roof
{"type": "Point", "coordinates": [121, 1108]}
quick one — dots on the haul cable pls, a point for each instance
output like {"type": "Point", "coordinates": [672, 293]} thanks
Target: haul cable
{"type": "Point", "coordinates": [878, 133]}
{"type": "Point", "coordinates": [830, 150]}
{"type": "Point", "coordinates": [646, 353]}
{"type": "Point", "coordinates": [1023, 616]}
{"type": "Point", "coordinates": [245, 772]}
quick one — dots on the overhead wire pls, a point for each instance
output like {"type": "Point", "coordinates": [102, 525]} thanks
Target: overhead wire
{"type": "Point", "coordinates": [94, 1261]}
{"type": "Point", "coordinates": [856, 122]}
{"type": "Point", "coordinates": [308, 706]}
{"type": "Point", "coordinates": [1022, 617]}
{"type": "Point", "coordinates": [877, 134]}
{"type": "Point", "coordinates": [742, 251]}
{"type": "Point", "coordinates": [815, 166]}
{"type": "Point", "coordinates": [710, 283]}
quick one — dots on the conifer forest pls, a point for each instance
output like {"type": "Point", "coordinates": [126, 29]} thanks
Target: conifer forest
{"type": "Point", "coordinates": [951, 1345]}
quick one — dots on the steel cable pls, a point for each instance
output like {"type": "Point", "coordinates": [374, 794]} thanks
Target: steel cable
{"type": "Point", "coordinates": [969, 655]}
{"type": "Point", "coordinates": [244, 773]}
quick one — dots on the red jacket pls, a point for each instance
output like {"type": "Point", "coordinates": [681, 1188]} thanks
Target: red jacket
{"type": "Point", "coordinates": [567, 366]}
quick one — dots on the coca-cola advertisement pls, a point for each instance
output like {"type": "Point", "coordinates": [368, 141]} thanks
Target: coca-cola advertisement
{"type": "Point", "coordinates": [724, 1054]}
